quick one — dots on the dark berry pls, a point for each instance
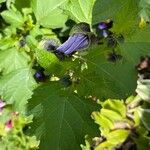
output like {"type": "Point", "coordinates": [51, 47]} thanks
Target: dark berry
{"type": "Point", "coordinates": [109, 24]}
{"type": "Point", "coordinates": [120, 38]}
{"type": "Point", "coordinates": [50, 44]}
{"type": "Point", "coordinates": [39, 76]}
{"type": "Point", "coordinates": [22, 43]}
{"type": "Point", "coordinates": [59, 55]}
{"type": "Point", "coordinates": [111, 42]}
{"type": "Point", "coordinates": [66, 80]}
{"type": "Point", "coordinates": [113, 57]}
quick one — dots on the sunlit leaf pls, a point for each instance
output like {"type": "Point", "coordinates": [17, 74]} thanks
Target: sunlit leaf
{"type": "Point", "coordinates": [16, 88]}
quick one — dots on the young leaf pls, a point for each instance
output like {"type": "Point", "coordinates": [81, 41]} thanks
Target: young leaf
{"type": "Point", "coordinates": [115, 105]}
{"type": "Point", "coordinates": [111, 115]}
{"type": "Point", "coordinates": [113, 139]}
{"type": "Point", "coordinates": [118, 136]}
{"type": "Point", "coordinates": [105, 123]}
{"type": "Point", "coordinates": [13, 17]}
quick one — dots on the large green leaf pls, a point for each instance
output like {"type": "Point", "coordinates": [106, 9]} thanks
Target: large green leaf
{"type": "Point", "coordinates": [116, 80]}
{"type": "Point", "coordinates": [62, 115]}
{"type": "Point", "coordinates": [12, 59]}
{"type": "Point", "coordinates": [124, 13]}
{"type": "Point", "coordinates": [16, 87]}
{"type": "Point", "coordinates": [80, 10]}
{"type": "Point", "coordinates": [48, 13]}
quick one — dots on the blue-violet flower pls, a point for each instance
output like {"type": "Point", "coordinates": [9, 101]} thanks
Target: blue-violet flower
{"type": "Point", "coordinates": [74, 43]}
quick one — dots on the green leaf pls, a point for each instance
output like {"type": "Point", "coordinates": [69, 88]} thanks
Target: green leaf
{"type": "Point", "coordinates": [113, 139]}
{"type": "Point", "coordinates": [6, 43]}
{"type": "Point", "coordinates": [115, 105]}
{"type": "Point", "coordinates": [13, 17]}
{"type": "Point", "coordinates": [145, 9]}
{"type": "Point", "coordinates": [88, 142]}
{"type": "Point", "coordinates": [111, 115]}
{"type": "Point", "coordinates": [46, 59]}
{"type": "Point", "coordinates": [62, 115]}
{"type": "Point", "coordinates": [118, 136]}
{"type": "Point", "coordinates": [143, 89]}
{"type": "Point", "coordinates": [142, 142]}
{"type": "Point", "coordinates": [19, 5]}
{"type": "Point", "coordinates": [144, 116]}
{"type": "Point", "coordinates": [80, 10]}
{"type": "Point", "coordinates": [13, 59]}
{"type": "Point", "coordinates": [16, 88]}
{"type": "Point", "coordinates": [106, 78]}
{"type": "Point", "coordinates": [1, 1]}
{"type": "Point", "coordinates": [105, 145]}
{"type": "Point", "coordinates": [48, 13]}
{"type": "Point", "coordinates": [123, 13]}
{"type": "Point", "coordinates": [105, 123]}
{"type": "Point", "coordinates": [118, 79]}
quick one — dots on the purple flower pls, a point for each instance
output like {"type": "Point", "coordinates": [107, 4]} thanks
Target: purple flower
{"type": "Point", "coordinates": [74, 43]}
{"type": "Point", "coordinates": [105, 25]}
{"type": "Point", "coordinates": [102, 26]}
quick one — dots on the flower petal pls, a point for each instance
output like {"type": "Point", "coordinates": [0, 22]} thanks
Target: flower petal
{"type": "Point", "coordinates": [74, 43]}
{"type": "Point", "coordinates": [80, 44]}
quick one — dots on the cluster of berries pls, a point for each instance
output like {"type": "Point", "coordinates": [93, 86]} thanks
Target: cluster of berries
{"type": "Point", "coordinates": [111, 38]}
